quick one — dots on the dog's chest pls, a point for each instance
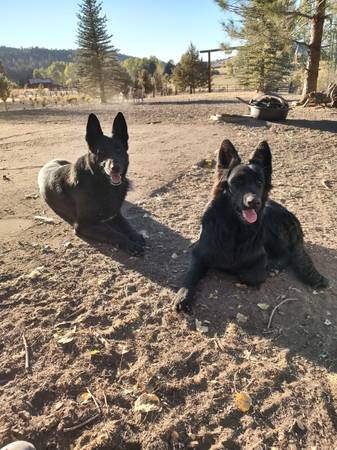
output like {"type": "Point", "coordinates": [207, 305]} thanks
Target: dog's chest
{"type": "Point", "coordinates": [103, 202]}
{"type": "Point", "coordinates": [109, 204]}
{"type": "Point", "coordinates": [227, 249]}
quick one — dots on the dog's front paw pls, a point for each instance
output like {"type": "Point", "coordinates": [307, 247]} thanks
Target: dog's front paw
{"type": "Point", "coordinates": [322, 283]}
{"type": "Point", "coordinates": [135, 249]}
{"type": "Point", "coordinates": [182, 301]}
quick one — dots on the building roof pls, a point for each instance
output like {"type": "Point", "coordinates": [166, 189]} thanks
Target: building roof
{"type": "Point", "coordinates": [40, 81]}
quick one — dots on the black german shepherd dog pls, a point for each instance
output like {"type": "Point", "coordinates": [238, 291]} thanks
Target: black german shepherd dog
{"type": "Point", "coordinates": [242, 231]}
{"type": "Point", "coordinates": [89, 193]}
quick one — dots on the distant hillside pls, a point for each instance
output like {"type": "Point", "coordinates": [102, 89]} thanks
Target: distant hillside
{"type": "Point", "coordinates": [19, 63]}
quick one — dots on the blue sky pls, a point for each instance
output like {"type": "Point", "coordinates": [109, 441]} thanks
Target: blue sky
{"type": "Point", "coordinates": [163, 28]}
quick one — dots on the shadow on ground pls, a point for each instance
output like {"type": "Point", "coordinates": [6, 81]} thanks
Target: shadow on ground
{"type": "Point", "coordinates": [193, 102]}
{"type": "Point", "coordinates": [322, 125]}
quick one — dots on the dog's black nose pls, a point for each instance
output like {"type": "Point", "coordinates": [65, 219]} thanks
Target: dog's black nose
{"type": "Point", "coordinates": [115, 166]}
{"type": "Point", "coordinates": [251, 201]}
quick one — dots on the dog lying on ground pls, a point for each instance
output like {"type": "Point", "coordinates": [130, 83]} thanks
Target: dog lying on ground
{"type": "Point", "coordinates": [243, 232]}
{"type": "Point", "coordinates": [89, 193]}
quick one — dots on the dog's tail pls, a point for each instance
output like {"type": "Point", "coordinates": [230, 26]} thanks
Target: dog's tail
{"type": "Point", "coordinates": [304, 268]}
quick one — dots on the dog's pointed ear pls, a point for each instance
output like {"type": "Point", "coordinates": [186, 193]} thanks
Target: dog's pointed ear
{"type": "Point", "coordinates": [94, 132]}
{"type": "Point", "coordinates": [228, 157]}
{"type": "Point", "coordinates": [120, 129]}
{"type": "Point", "coordinates": [262, 156]}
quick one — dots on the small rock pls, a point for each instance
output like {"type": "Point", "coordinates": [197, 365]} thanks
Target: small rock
{"type": "Point", "coordinates": [36, 273]}
{"type": "Point", "coordinates": [241, 318]}
{"type": "Point", "coordinates": [174, 256]}
{"type": "Point", "coordinates": [241, 285]}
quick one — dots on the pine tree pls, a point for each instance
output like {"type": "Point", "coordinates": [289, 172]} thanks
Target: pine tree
{"type": "Point", "coordinates": [306, 28]}
{"type": "Point", "coordinates": [5, 88]}
{"type": "Point", "coordinates": [314, 12]}
{"type": "Point", "coordinates": [97, 66]}
{"type": "Point", "coordinates": [264, 55]}
{"type": "Point", "coordinates": [191, 71]}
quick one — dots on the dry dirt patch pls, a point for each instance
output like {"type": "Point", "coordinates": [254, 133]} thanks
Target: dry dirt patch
{"type": "Point", "coordinates": [115, 311]}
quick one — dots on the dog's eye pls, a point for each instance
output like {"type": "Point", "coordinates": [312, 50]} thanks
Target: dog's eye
{"type": "Point", "coordinates": [259, 183]}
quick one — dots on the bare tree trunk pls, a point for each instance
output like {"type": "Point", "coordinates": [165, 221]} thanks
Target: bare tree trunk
{"type": "Point", "coordinates": [101, 85]}
{"type": "Point", "coordinates": [102, 92]}
{"type": "Point", "coordinates": [314, 48]}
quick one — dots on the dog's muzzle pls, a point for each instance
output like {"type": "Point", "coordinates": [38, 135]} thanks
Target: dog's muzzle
{"type": "Point", "coordinates": [252, 204]}
{"type": "Point", "coordinates": [113, 171]}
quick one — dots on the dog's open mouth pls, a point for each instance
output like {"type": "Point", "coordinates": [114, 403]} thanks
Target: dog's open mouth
{"type": "Point", "coordinates": [115, 178]}
{"type": "Point", "coordinates": [249, 215]}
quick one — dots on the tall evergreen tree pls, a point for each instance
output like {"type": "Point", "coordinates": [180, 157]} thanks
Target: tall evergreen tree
{"type": "Point", "coordinates": [191, 71]}
{"type": "Point", "coordinates": [5, 88]}
{"type": "Point", "coordinates": [309, 37]}
{"type": "Point", "coordinates": [98, 68]}
{"type": "Point", "coordinates": [307, 28]}
{"type": "Point", "coordinates": [264, 54]}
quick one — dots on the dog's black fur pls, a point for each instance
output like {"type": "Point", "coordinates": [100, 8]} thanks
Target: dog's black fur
{"type": "Point", "coordinates": [242, 231]}
{"type": "Point", "coordinates": [89, 193]}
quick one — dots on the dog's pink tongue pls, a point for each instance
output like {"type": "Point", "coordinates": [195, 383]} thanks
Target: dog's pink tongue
{"type": "Point", "coordinates": [249, 215]}
{"type": "Point", "coordinates": [116, 178]}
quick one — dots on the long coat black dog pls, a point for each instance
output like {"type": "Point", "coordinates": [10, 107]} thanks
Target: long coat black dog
{"type": "Point", "coordinates": [89, 193]}
{"type": "Point", "coordinates": [243, 232]}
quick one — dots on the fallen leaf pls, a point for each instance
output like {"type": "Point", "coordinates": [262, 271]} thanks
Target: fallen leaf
{"type": "Point", "coordinates": [200, 327]}
{"type": "Point", "coordinates": [241, 318]}
{"type": "Point", "coordinates": [147, 402]}
{"type": "Point", "coordinates": [85, 397]}
{"type": "Point", "coordinates": [94, 352]}
{"type": "Point", "coordinates": [263, 306]}
{"type": "Point", "coordinates": [66, 339]}
{"type": "Point", "coordinates": [327, 322]}
{"type": "Point", "coordinates": [174, 256]}
{"type": "Point", "coordinates": [243, 401]}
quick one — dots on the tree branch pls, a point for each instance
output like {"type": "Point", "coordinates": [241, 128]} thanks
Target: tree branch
{"type": "Point", "coordinates": [298, 14]}
{"type": "Point", "coordinates": [301, 43]}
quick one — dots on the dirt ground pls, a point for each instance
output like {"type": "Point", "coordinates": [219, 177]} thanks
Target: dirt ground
{"type": "Point", "coordinates": [95, 318]}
